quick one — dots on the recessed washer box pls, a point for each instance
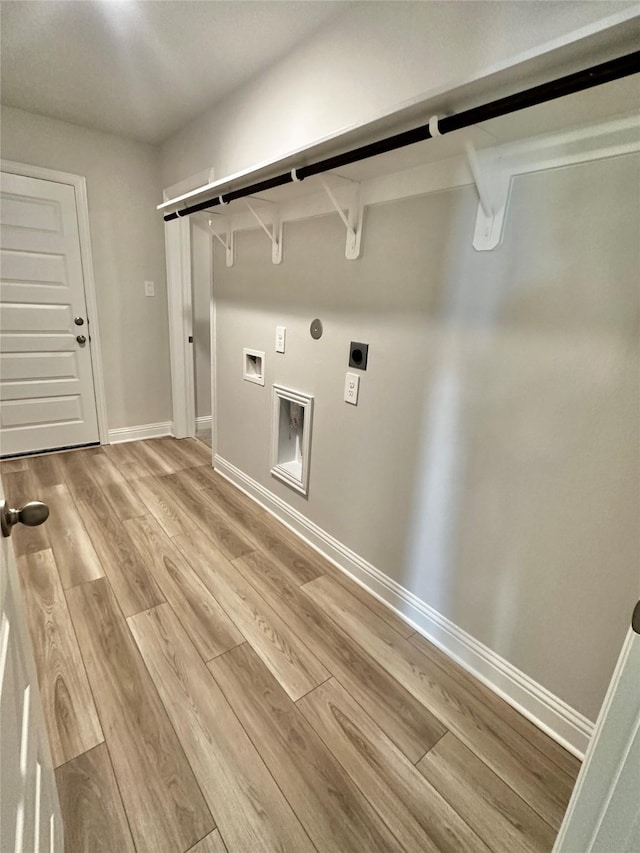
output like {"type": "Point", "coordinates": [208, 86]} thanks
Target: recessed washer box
{"type": "Point", "coordinates": [291, 437]}
{"type": "Point", "coordinates": [253, 366]}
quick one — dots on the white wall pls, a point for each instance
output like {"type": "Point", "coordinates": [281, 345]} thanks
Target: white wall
{"type": "Point", "coordinates": [491, 464]}
{"type": "Point", "coordinates": [376, 56]}
{"type": "Point", "coordinates": [123, 186]}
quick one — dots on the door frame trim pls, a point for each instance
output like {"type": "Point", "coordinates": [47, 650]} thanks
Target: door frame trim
{"type": "Point", "coordinates": [79, 184]}
{"type": "Point", "coordinates": [178, 249]}
{"type": "Point", "coordinates": [177, 236]}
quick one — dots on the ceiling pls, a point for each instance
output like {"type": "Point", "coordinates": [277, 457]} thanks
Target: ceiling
{"type": "Point", "coordinates": [143, 69]}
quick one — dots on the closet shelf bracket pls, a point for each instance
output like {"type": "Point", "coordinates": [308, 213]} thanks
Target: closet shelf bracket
{"type": "Point", "coordinates": [352, 219]}
{"type": "Point", "coordinates": [493, 184]}
{"type": "Point", "coordinates": [274, 233]}
{"type": "Point", "coordinates": [227, 241]}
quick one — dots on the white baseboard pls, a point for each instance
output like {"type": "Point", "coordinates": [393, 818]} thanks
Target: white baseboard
{"type": "Point", "coordinates": [554, 716]}
{"type": "Point", "coordinates": [136, 433]}
{"type": "Point", "coordinates": [203, 422]}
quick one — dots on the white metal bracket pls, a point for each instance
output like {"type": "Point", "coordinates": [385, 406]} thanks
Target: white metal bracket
{"type": "Point", "coordinates": [493, 183]}
{"type": "Point", "coordinates": [227, 241]}
{"type": "Point", "coordinates": [352, 219]}
{"type": "Point", "coordinates": [274, 233]}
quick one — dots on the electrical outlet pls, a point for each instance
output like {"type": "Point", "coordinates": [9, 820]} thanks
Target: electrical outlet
{"type": "Point", "coordinates": [281, 338]}
{"type": "Point", "coordinates": [149, 288]}
{"type": "Point", "coordinates": [351, 387]}
{"type": "Point", "coordinates": [358, 355]}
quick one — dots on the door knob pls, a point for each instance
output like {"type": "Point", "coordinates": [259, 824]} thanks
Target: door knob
{"type": "Point", "coordinates": [32, 514]}
{"type": "Point", "coordinates": [81, 339]}
{"type": "Point", "coordinates": [79, 321]}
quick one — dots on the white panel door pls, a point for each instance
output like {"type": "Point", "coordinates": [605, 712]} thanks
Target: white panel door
{"type": "Point", "coordinates": [30, 818]}
{"type": "Point", "coordinates": [47, 397]}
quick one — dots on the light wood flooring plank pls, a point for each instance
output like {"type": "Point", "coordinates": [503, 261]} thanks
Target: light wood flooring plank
{"type": "Point", "coordinates": [69, 711]}
{"type": "Point", "coordinates": [122, 498]}
{"type": "Point", "coordinates": [153, 459]}
{"type": "Point", "coordinates": [414, 811]}
{"type": "Point", "coordinates": [45, 470]}
{"type": "Point", "coordinates": [92, 812]}
{"type": "Point", "coordinates": [379, 608]}
{"type": "Point", "coordinates": [73, 466]}
{"type": "Point", "coordinates": [19, 488]}
{"type": "Point", "coordinates": [328, 804]}
{"type": "Point", "coordinates": [181, 452]}
{"type": "Point", "coordinates": [225, 536]}
{"type": "Point", "coordinates": [132, 582]}
{"type": "Point", "coordinates": [285, 654]}
{"type": "Point", "coordinates": [563, 759]}
{"type": "Point", "coordinates": [164, 805]}
{"type": "Point", "coordinates": [9, 466]}
{"type": "Point", "coordinates": [212, 843]}
{"type": "Point", "coordinates": [209, 628]}
{"type": "Point", "coordinates": [161, 504]}
{"type": "Point", "coordinates": [198, 451]}
{"type": "Point", "coordinates": [499, 816]}
{"type": "Point", "coordinates": [128, 462]}
{"type": "Point", "coordinates": [512, 757]}
{"type": "Point", "coordinates": [249, 808]}
{"type": "Point", "coordinates": [294, 557]}
{"type": "Point", "coordinates": [72, 547]}
{"type": "Point", "coordinates": [405, 720]}
{"type": "Point", "coordinates": [236, 506]}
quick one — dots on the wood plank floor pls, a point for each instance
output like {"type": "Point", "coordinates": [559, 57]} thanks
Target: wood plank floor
{"type": "Point", "coordinates": [211, 684]}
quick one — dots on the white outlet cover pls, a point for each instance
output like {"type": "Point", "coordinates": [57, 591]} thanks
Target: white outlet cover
{"type": "Point", "coordinates": [149, 288]}
{"type": "Point", "coordinates": [351, 388]}
{"type": "Point", "coordinates": [281, 338]}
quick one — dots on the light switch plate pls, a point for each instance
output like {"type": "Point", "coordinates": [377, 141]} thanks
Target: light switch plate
{"type": "Point", "coordinates": [281, 338]}
{"type": "Point", "coordinates": [149, 288]}
{"type": "Point", "coordinates": [351, 388]}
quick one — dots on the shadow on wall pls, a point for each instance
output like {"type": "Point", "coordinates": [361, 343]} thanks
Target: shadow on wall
{"type": "Point", "coordinates": [526, 488]}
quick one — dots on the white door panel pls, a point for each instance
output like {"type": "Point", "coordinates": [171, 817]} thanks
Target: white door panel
{"type": "Point", "coordinates": [29, 414]}
{"type": "Point", "coordinates": [45, 293]}
{"type": "Point", "coordinates": [47, 396]}
{"type": "Point", "coordinates": [23, 264]}
{"type": "Point", "coordinates": [30, 817]}
{"type": "Point", "coordinates": [31, 213]}
{"type": "Point", "coordinates": [32, 389]}
{"type": "Point", "coordinates": [17, 317]}
{"type": "Point", "coordinates": [23, 342]}
{"type": "Point", "coordinates": [47, 365]}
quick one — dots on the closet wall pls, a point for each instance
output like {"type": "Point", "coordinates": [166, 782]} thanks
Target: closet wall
{"type": "Point", "coordinates": [490, 465]}
{"type": "Point", "coordinates": [123, 181]}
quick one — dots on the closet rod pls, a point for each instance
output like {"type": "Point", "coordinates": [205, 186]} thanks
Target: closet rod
{"type": "Point", "coordinates": [614, 69]}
